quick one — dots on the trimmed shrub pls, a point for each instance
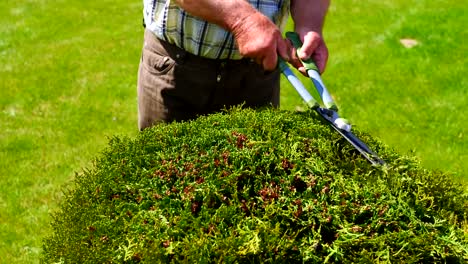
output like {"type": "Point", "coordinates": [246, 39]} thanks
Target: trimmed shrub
{"type": "Point", "coordinates": [256, 186]}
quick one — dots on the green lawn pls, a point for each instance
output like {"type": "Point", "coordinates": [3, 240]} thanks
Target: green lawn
{"type": "Point", "coordinates": [68, 82]}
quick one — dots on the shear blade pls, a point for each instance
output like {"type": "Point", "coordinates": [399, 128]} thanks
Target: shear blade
{"type": "Point", "coordinates": [351, 138]}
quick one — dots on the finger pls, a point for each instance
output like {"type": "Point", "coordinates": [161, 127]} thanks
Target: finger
{"type": "Point", "coordinates": [293, 58]}
{"type": "Point", "coordinates": [291, 50]}
{"type": "Point", "coordinates": [303, 70]}
{"type": "Point", "coordinates": [270, 61]}
{"type": "Point", "coordinates": [320, 57]}
{"type": "Point", "coordinates": [310, 43]}
{"type": "Point", "coordinates": [283, 49]}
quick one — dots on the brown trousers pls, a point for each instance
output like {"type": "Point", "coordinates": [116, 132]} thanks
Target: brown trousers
{"type": "Point", "coordinates": [174, 85]}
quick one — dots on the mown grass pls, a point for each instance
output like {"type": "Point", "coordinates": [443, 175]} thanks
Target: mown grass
{"type": "Point", "coordinates": [67, 80]}
{"type": "Point", "coordinates": [68, 75]}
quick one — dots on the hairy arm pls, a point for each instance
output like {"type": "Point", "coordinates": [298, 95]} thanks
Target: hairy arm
{"type": "Point", "coordinates": [256, 36]}
{"type": "Point", "coordinates": [309, 17]}
{"type": "Point", "coordinates": [225, 13]}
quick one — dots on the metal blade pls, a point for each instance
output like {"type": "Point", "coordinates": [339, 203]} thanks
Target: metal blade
{"type": "Point", "coordinates": [330, 115]}
{"type": "Point", "coordinates": [351, 138]}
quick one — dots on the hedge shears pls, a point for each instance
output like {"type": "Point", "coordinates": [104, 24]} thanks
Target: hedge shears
{"type": "Point", "coordinates": [330, 110]}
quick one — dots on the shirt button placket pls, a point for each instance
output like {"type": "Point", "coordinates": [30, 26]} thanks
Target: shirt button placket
{"type": "Point", "coordinates": [219, 77]}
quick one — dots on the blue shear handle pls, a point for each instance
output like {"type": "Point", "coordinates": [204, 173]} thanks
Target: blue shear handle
{"type": "Point", "coordinates": [314, 74]}
{"type": "Point", "coordinates": [322, 90]}
{"type": "Point", "coordinates": [297, 84]}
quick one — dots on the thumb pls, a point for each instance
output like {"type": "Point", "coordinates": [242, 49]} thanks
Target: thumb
{"type": "Point", "coordinates": [310, 42]}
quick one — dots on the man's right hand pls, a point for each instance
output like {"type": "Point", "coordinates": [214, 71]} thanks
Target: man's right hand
{"type": "Point", "coordinates": [258, 38]}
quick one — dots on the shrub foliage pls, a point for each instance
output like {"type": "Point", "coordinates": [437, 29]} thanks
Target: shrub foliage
{"type": "Point", "coordinates": [255, 186]}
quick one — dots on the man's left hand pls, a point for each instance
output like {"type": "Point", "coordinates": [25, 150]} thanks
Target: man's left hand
{"type": "Point", "coordinates": [314, 47]}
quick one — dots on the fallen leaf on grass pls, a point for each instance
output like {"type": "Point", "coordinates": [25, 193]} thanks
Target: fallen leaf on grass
{"type": "Point", "coordinates": [408, 43]}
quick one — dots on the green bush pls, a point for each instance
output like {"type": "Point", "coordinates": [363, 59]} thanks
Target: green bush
{"type": "Point", "coordinates": [265, 186]}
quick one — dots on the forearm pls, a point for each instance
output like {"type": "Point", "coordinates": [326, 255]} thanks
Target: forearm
{"type": "Point", "coordinates": [225, 13]}
{"type": "Point", "coordinates": [309, 15]}
{"type": "Point", "coordinates": [257, 37]}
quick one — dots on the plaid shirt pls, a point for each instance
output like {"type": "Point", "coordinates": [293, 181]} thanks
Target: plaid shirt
{"type": "Point", "coordinates": [172, 24]}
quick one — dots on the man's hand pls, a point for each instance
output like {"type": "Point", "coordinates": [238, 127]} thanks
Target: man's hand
{"type": "Point", "coordinates": [309, 16]}
{"type": "Point", "coordinates": [313, 47]}
{"type": "Point", "coordinates": [258, 38]}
